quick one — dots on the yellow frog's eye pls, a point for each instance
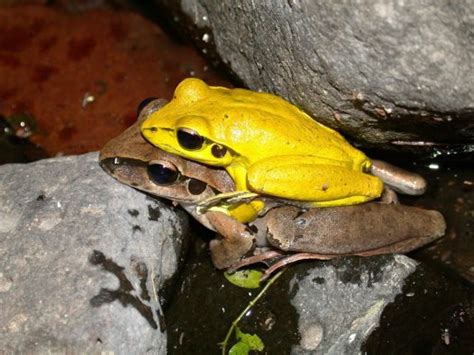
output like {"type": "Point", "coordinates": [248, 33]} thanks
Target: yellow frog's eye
{"type": "Point", "coordinates": [163, 172]}
{"type": "Point", "coordinates": [189, 139]}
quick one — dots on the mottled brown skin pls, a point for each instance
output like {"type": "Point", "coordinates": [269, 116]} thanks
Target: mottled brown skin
{"type": "Point", "coordinates": [366, 229]}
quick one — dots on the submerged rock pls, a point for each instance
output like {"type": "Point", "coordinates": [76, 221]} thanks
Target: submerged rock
{"type": "Point", "coordinates": [382, 304]}
{"type": "Point", "coordinates": [82, 258]}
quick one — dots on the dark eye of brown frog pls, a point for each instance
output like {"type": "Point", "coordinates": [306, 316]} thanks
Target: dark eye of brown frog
{"type": "Point", "coordinates": [196, 187]}
{"type": "Point", "coordinates": [189, 139]}
{"type": "Point", "coordinates": [163, 173]}
{"type": "Point", "coordinates": [143, 104]}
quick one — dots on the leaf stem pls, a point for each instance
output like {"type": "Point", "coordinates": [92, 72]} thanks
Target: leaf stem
{"type": "Point", "coordinates": [250, 305]}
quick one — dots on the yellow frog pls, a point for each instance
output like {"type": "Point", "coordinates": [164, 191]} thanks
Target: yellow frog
{"type": "Point", "coordinates": [267, 145]}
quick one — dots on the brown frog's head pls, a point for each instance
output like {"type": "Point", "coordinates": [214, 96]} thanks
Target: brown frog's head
{"type": "Point", "coordinates": [130, 159]}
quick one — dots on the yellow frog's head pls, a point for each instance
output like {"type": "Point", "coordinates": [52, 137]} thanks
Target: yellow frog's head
{"type": "Point", "coordinates": [186, 126]}
{"type": "Point", "coordinates": [215, 125]}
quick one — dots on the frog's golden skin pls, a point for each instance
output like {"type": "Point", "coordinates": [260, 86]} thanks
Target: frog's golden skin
{"type": "Point", "coordinates": [267, 145]}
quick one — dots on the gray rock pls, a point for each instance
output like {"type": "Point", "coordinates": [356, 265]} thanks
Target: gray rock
{"type": "Point", "coordinates": [381, 71]}
{"type": "Point", "coordinates": [340, 305]}
{"type": "Point", "coordinates": [80, 259]}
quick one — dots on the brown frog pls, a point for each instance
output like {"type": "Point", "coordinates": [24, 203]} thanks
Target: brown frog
{"type": "Point", "coordinates": [366, 229]}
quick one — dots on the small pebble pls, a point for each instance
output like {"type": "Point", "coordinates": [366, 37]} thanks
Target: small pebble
{"type": "Point", "coordinates": [311, 336]}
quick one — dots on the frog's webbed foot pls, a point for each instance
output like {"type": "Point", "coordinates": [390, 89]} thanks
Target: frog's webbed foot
{"type": "Point", "coordinates": [223, 202]}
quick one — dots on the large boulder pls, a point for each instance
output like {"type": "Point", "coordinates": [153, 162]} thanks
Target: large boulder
{"type": "Point", "coordinates": [82, 260]}
{"type": "Point", "coordinates": [396, 75]}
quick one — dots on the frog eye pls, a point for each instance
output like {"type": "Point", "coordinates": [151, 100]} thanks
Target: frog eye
{"type": "Point", "coordinates": [189, 139]}
{"type": "Point", "coordinates": [143, 104]}
{"type": "Point", "coordinates": [163, 173]}
{"type": "Point", "coordinates": [196, 187]}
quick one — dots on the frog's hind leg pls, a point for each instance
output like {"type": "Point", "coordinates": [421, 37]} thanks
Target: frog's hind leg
{"type": "Point", "coordinates": [319, 181]}
{"type": "Point", "coordinates": [389, 196]}
{"type": "Point", "coordinates": [283, 259]}
{"type": "Point", "coordinates": [263, 257]}
{"type": "Point", "coordinates": [400, 180]}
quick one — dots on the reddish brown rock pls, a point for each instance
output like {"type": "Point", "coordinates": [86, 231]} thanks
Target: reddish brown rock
{"type": "Point", "coordinates": [82, 75]}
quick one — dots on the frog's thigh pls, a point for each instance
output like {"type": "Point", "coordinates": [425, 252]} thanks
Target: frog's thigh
{"type": "Point", "coordinates": [312, 179]}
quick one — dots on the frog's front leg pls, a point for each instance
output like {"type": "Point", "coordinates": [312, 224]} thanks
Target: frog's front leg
{"type": "Point", "coordinates": [235, 241]}
{"type": "Point", "coordinates": [236, 204]}
{"type": "Point", "coordinates": [224, 200]}
{"type": "Point", "coordinates": [239, 204]}
{"type": "Point", "coordinates": [321, 182]}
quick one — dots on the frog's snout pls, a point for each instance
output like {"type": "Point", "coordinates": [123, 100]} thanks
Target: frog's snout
{"type": "Point", "coordinates": [149, 132]}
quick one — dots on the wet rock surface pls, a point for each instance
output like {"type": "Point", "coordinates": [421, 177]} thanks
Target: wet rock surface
{"type": "Point", "coordinates": [340, 304]}
{"type": "Point", "coordinates": [386, 73]}
{"type": "Point", "coordinates": [385, 304]}
{"type": "Point", "coordinates": [81, 257]}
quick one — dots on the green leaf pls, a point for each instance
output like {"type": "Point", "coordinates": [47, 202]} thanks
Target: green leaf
{"type": "Point", "coordinates": [253, 341]}
{"type": "Point", "coordinates": [246, 342]}
{"type": "Point", "coordinates": [239, 349]}
{"type": "Point", "coordinates": [245, 278]}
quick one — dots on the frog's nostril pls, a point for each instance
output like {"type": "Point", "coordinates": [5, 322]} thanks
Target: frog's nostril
{"type": "Point", "coordinates": [218, 150]}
